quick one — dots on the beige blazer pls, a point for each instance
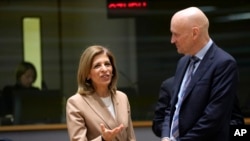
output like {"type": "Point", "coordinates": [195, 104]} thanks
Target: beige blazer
{"type": "Point", "coordinates": [85, 113]}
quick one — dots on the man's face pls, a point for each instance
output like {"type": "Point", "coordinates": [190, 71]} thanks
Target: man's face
{"type": "Point", "coordinates": [181, 36]}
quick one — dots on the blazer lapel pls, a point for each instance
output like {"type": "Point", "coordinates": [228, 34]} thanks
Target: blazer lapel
{"type": "Point", "coordinates": [118, 110]}
{"type": "Point", "coordinates": [100, 109]}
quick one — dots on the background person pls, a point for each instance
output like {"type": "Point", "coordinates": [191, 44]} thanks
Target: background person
{"type": "Point", "coordinates": [26, 75]}
{"type": "Point", "coordinates": [98, 111]}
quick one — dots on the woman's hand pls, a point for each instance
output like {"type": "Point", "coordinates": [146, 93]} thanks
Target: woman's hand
{"type": "Point", "coordinates": [109, 135]}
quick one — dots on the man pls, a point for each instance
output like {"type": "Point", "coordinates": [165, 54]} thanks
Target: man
{"type": "Point", "coordinates": [203, 92]}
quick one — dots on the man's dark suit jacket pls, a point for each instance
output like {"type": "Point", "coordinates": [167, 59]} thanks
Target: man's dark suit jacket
{"type": "Point", "coordinates": [163, 104]}
{"type": "Point", "coordinates": [208, 102]}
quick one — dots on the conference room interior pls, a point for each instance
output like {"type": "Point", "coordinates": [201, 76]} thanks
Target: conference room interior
{"type": "Point", "coordinates": [140, 41]}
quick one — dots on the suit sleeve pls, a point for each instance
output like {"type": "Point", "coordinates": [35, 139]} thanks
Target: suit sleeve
{"type": "Point", "coordinates": [162, 107]}
{"type": "Point", "coordinates": [76, 125]}
{"type": "Point", "coordinates": [131, 133]}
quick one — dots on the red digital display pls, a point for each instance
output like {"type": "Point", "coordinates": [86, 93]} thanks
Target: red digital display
{"type": "Point", "coordinates": [126, 8]}
{"type": "Point", "coordinates": [131, 4]}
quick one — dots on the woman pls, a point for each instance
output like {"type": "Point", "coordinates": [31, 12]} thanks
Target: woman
{"type": "Point", "coordinates": [25, 76]}
{"type": "Point", "coordinates": [98, 112]}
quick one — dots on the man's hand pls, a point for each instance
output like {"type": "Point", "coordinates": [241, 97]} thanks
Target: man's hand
{"type": "Point", "coordinates": [165, 139]}
{"type": "Point", "coordinates": [109, 135]}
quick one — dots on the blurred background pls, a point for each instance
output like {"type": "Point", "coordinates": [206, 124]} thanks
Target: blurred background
{"type": "Point", "coordinates": [138, 35]}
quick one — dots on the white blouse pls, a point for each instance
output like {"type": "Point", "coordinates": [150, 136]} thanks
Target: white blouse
{"type": "Point", "coordinates": [109, 104]}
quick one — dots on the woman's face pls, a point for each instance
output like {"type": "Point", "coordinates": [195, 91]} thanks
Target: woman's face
{"type": "Point", "coordinates": [101, 71]}
{"type": "Point", "coordinates": [27, 78]}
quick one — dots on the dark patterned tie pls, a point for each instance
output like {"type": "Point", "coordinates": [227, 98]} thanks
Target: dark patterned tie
{"type": "Point", "coordinates": [193, 61]}
{"type": "Point", "coordinates": [175, 124]}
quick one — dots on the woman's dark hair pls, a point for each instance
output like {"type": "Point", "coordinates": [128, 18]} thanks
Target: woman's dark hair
{"type": "Point", "coordinates": [23, 67]}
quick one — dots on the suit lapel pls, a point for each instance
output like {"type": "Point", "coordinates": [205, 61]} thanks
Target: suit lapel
{"type": "Point", "coordinates": [201, 70]}
{"type": "Point", "coordinates": [117, 108]}
{"type": "Point", "coordinates": [96, 104]}
{"type": "Point", "coordinates": [180, 72]}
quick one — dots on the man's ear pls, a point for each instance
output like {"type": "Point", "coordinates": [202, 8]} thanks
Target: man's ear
{"type": "Point", "coordinates": [195, 32]}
